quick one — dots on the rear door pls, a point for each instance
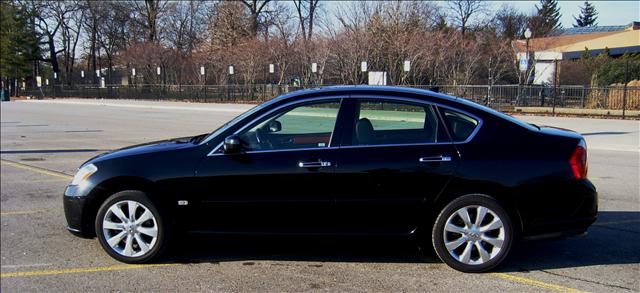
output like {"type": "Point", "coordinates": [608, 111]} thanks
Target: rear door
{"type": "Point", "coordinates": [395, 155]}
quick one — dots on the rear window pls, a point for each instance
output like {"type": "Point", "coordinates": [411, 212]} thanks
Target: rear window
{"type": "Point", "coordinates": [460, 126]}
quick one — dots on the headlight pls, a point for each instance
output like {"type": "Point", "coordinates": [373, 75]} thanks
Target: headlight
{"type": "Point", "coordinates": [83, 174]}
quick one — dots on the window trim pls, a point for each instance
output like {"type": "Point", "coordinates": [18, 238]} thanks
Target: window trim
{"type": "Point", "coordinates": [343, 99]}
{"type": "Point", "coordinates": [473, 133]}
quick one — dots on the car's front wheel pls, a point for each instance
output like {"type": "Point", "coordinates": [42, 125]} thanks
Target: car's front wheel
{"type": "Point", "coordinates": [473, 233]}
{"type": "Point", "coordinates": [130, 228]}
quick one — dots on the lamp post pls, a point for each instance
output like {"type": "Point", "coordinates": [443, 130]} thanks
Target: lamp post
{"type": "Point", "coordinates": [231, 73]}
{"type": "Point", "coordinates": [203, 72]}
{"type": "Point", "coordinates": [527, 36]}
{"type": "Point", "coordinates": [363, 69]}
{"type": "Point", "coordinates": [133, 76]}
{"type": "Point", "coordinates": [272, 69]}
{"type": "Point", "coordinates": [314, 69]}
{"type": "Point", "coordinates": [406, 68]}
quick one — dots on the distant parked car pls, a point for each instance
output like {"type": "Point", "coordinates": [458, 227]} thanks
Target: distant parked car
{"type": "Point", "coordinates": [345, 160]}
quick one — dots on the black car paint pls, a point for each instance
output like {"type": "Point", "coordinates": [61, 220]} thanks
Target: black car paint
{"type": "Point", "coordinates": [367, 190]}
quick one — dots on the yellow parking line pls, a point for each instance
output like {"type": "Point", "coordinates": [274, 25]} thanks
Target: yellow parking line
{"type": "Point", "coordinates": [37, 169]}
{"type": "Point", "coordinates": [13, 213]}
{"type": "Point", "coordinates": [79, 270]}
{"type": "Point", "coordinates": [535, 283]}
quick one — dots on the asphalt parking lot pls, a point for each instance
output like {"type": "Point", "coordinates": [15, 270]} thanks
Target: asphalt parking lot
{"type": "Point", "coordinates": [43, 142]}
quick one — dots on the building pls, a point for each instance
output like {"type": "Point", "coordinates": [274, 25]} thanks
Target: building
{"type": "Point", "coordinates": [571, 44]}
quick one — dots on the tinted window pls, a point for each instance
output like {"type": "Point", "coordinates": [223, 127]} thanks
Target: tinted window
{"type": "Point", "coordinates": [460, 126]}
{"type": "Point", "coordinates": [387, 122]}
{"type": "Point", "coordinates": [306, 126]}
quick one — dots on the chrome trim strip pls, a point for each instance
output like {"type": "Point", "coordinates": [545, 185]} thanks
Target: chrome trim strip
{"type": "Point", "coordinates": [277, 151]}
{"type": "Point", "coordinates": [391, 97]}
{"type": "Point", "coordinates": [475, 131]}
{"type": "Point", "coordinates": [318, 164]}
{"type": "Point", "coordinates": [394, 145]}
{"type": "Point", "coordinates": [435, 159]}
{"type": "Point", "coordinates": [213, 152]}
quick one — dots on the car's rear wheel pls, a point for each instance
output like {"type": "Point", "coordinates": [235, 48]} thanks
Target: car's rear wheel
{"type": "Point", "coordinates": [473, 233]}
{"type": "Point", "coordinates": [130, 228]}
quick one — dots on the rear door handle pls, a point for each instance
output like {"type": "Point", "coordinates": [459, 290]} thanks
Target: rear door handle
{"type": "Point", "coordinates": [316, 164]}
{"type": "Point", "coordinates": [438, 158]}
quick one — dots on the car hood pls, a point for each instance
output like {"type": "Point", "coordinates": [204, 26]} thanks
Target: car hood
{"type": "Point", "coordinates": [147, 148]}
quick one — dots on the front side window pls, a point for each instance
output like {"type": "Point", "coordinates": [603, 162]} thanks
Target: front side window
{"type": "Point", "coordinates": [306, 126]}
{"type": "Point", "coordinates": [460, 126]}
{"type": "Point", "coordinates": [389, 122]}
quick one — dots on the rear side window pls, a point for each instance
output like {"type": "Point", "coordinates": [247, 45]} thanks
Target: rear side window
{"type": "Point", "coordinates": [390, 122]}
{"type": "Point", "coordinates": [460, 126]}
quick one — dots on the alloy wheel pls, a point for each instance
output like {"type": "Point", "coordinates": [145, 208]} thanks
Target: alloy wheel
{"type": "Point", "coordinates": [130, 228]}
{"type": "Point", "coordinates": [474, 235]}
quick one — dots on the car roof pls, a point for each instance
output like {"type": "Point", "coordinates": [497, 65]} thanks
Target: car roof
{"type": "Point", "coordinates": [420, 94]}
{"type": "Point", "coordinates": [363, 89]}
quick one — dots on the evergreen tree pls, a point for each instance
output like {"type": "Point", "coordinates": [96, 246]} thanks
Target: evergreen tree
{"type": "Point", "coordinates": [546, 21]}
{"type": "Point", "coordinates": [588, 15]}
{"type": "Point", "coordinates": [18, 43]}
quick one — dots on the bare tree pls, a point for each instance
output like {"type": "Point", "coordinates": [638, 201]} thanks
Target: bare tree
{"type": "Point", "coordinates": [148, 16]}
{"type": "Point", "coordinates": [463, 12]}
{"type": "Point", "coordinates": [71, 31]}
{"type": "Point", "coordinates": [48, 18]}
{"type": "Point", "coordinates": [256, 9]}
{"type": "Point", "coordinates": [511, 23]}
{"type": "Point", "coordinates": [186, 25]}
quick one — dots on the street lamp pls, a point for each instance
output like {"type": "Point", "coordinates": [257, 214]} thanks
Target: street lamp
{"type": "Point", "coordinates": [363, 68]}
{"type": "Point", "coordinates": [272, 70]}
{"type": "Point", "coordinates": [527, 36]}
{"type": "Point", "coordinates": [314, 69]}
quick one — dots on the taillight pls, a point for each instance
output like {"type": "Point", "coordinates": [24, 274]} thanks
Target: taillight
{"type": "Point", "coordinates": [578, 161]}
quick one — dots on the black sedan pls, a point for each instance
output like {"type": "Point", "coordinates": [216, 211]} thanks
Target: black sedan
{"type": "Point", "coordinates": [343, 161]}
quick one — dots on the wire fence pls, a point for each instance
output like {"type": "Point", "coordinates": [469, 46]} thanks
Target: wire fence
{"type": "Point", "coordinates": [608, 100]}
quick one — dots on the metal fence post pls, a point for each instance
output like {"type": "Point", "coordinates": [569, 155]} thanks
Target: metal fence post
{"type": "Point", "coordinates": [624, 91]}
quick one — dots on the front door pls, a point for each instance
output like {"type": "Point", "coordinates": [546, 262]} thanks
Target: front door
{"type": "Point", "coordinates": [280, 182]}
{"type": "Point", "coordinates": [396, 157]}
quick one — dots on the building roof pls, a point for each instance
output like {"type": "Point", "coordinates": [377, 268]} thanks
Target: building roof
{"type": "Point", "coordinates": [624, 39]}
{"type": "Point", "coordinates": [592, 29]}
{"type": "Point", "coordinates": [593, 38]}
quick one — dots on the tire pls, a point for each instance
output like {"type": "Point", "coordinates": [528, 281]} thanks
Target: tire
{"type": "Point", "coordinates": [473, 248]}
{"type": "Point", "coordinates": [127, 240]}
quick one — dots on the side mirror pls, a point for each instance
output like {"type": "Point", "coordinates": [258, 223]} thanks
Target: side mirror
{"type": "Point", "coordinates": [274, 126]}
{"type": "Point", "coordinates": [232, 144]}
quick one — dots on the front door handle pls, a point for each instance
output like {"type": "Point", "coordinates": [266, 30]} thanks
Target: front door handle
{"type": "Point", "coordinates": [438, 158]}
{"type": "Point", "coordinates": [316, 164]}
